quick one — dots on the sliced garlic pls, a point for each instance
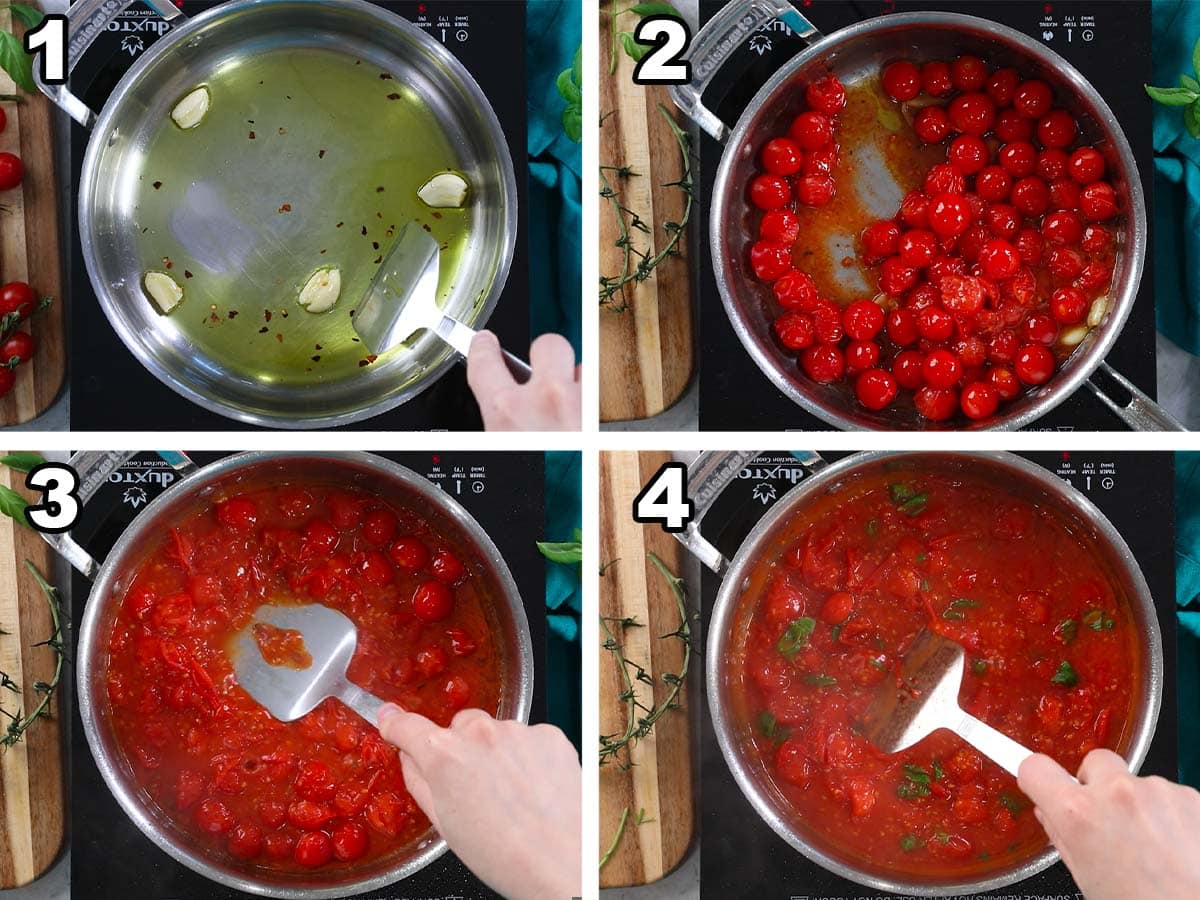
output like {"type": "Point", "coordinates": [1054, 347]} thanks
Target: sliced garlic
{"type": "Point", "coordinates": [446, 190]}
{"type": "Point", "coordinates": [321, 290]}
{"type": "Point", "coordinates": [1073, 336]}
{"type": "Point", "coordinates": [191, 110]}
{"type": "Point", "coordinates": [1098, 311]}
{"type": "Point", "coordinates": [164, 290]}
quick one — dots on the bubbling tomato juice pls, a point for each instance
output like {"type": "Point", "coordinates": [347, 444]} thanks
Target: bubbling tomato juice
{"type": "Point", "coordinates": [324, 791]}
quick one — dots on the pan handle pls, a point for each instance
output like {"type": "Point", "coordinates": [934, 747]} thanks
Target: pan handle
{"type": "Point", "coordinates": [729, 28]}
{"type": "Point", "coordinates": [1140, 413]}
{"type": "Point", "coordinates": [93, 468]}
{"type": "Point", "coordinates": [708, 475]}
{"type": "Point", "coordinates": [86, 19]}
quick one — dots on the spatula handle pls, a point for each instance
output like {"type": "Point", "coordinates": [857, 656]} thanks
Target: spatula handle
{"type": "Point", "coordinates": [362, 702]}
{"type": "Point", "coordinates": [458, 335]}
{"type": "Point", "coordinates": [995, 745]}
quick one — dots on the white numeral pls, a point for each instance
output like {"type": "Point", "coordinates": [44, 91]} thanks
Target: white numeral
{"type": "Point", "coordinates": [664, 500]}
{"type": "Point", "coordinates": [59, 508]}
{"type": "Point", "coordinates": [50, 37]}
{"type": "Point", "coordinates": [663, 65]}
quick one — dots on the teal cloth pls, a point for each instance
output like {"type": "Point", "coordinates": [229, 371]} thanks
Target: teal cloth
{"type": "Point", "coordinates": [564, 594]}
{"type": "Point", "coordinates": [553, 32]}
{"type": "Point", "coordinates": [1176, 26]}
{"type": "Point", "coordinates": [1187, 597]}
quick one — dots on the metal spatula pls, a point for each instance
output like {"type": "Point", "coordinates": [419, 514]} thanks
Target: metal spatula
{"type": "Point", "coordinates": [926, 699]}
{"type": "Point", "coordinates": [289, 693]}
{"type": "Point", "coordinates": [402, 299]}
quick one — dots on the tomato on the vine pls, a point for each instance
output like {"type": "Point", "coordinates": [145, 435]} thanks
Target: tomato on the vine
{"type": "Point", "coordinates": [12, 170]}
{"type": "Point", "coordinates": [18, 297]}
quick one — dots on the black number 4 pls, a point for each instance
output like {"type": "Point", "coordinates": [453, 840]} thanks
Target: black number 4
{"type": "Point", "coordinates": [664, 500]}
{"type": "Point", "coordinates": [662, 65]}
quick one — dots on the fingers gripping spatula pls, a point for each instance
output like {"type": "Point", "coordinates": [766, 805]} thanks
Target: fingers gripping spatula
{"type": "Point", "coordinates": [926, 699]}
{"type": "Point", "coordinates": [402, 300]}
{"type": "Point", "coordinates": [288, 692]}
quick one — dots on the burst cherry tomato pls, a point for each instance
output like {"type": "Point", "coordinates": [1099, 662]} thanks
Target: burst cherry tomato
{"type": "Point", "coordinates": [815, 190]}
{"type": "Point", "coordinates": [902, 80]}
{"type": "Point", "coordinates": [795, 330]}
{"type": "Point", "coordinates": [823, 363]}
{"type": "Point", "coordinates": [245, 841]}
{"type": "Point", "coordinates": [875, 389]}
{"type": "Point", "coordinates": [770, 261]}
{"type": "Point", "coordinates": [770, 192]}
{"type": "Point", "coordinates": [432, 601]}
{"type": "Point", "coordinates": [862, 320]}
{"type": "Point", "coordinates": [881, 239]}
{"type": "Point", "coordinates": [236, 512]}
{"type": "Point", "coordinates": [811, 130]}
{"type": "Point", "coordinates": [779, 226]}
{"type": "Point", "coordinates": [796, 290]}
{"type": "Point", "coordinates": [826, 95]}
{"type": "Point", "coordinates": [349, 841]}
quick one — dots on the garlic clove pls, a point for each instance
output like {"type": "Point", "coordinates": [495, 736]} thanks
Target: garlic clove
{"type": "Point", "coordinates": [164, 290]}
{"type": "Point", "coordinates": [1073, 336]}
{"type": "Point", "coordinates": [446, 190]}
{"type": "Point", "coordinates": [191, 110]}
{"type": "Point", "coordinates": [1098, 311]}
{"type": "Point", "coordinates": [322, 289]}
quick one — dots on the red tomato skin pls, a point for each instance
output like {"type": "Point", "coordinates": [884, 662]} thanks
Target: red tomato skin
{"type": "Point", "coordinates": [314, 850]}
{"type": "Point", "coordinates": [432, 601]}
{"type": "Point", "coordinates": [12, 170]}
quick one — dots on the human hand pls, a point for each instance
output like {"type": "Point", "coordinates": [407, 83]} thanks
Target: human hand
{"type": "Point", "coordinates": [550, 401]}
{"type": "Point", "coordinates": [507, 797]}
{"type": "Point", "coordinates": [1121, 836]}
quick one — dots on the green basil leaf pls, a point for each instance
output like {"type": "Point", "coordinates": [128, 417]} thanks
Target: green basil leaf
{"type": "Point", "coordinates": [632, 48]}
{"type": "Point", "coordinates": [13, 505]}
{"type": "Point", "coordinates": [1065, 675]}
{"type": "Point", "coordinates": [952, 615]}
{"type": "Point", "coordinates": [767, 724]}
{"type": "Point", "coordinates": [1067, 629]}
{"type": "Point", "coordinates": [567, 88]}
{"type": "Point", "coordinates": [16, 62]}
{"type": "Point", "coordinates": [901, 492]}
{"type": "Point", "coordinates": [577, 66]}
{"type": "Point", "coordinates": [910, 790]}
{"type": "Point", "coordinates": [1012, 801]}
{"type": "Point", "coordinates": [979, 666]}
{"type": "Point", "coordinates": [1196, 58]}
{"type": "Point", "coordinates": [653, 9]}
{"type": "Point", "coordinates": [26, 15]}
{"type": "Point", "coordinates": [1191, 119]}
{"type": "Point", "coordinates": [820, 680]}
{"type": "Point", "coordinates": [938, 773]}
{"type": "Point", "coordinates": [915, 506]}
{"type": "Point", "coordinates": [1097, 620]}
{"type": "Point", "coordinates": [1171, 96]}
{"type": "Point", "coordinates": [572, 120]}
{"type": "Point", "coordinates": [796, 636]}
{"type": "Point", "coordinates": [22, 462]}
{"type": "Point", "coordinates": [916, 774]}
{"type": "Point", "coordinates": [565, 552]}
{"type": "Point", "coordinates": [910, 842]}
{"type": "Point", "coordinates": [872, 527]}
{"type": "Point", "coordinates": [1187, 81]}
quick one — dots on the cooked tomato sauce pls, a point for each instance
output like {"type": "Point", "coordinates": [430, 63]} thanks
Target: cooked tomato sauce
{"type": "Point", "coordinates": [1051, 661]}
{"type": "Point", "coordinates": [325, 790]}
{"type": "Point", "coordinates": [282, 647]}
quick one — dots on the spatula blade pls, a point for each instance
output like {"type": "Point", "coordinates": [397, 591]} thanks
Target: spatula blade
{"type": "Point", "coordinates": [288, 693]}
{"type": "Point", "coordinates": [402, 298]}
{"type": "Point", "coordinates": [923, 699]}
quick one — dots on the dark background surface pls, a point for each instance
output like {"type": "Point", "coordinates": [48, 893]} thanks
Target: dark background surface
{"type": "Point", "coordinates": [734, 394]}
{"type": "Point", "coordinates": [740, 856]}
{"type": "Point", "coordinates": [111, 858]}
{"type": "Point", "coordinates": [110, 389]}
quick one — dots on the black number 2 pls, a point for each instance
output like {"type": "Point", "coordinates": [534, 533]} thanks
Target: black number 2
{"type": "Point", "coordinates": [662, 65]}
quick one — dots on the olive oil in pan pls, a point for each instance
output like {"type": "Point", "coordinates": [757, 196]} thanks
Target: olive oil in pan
{"type": "Point", "coordinates": [880, 160]}
{"type": "Point", "coordinates": [307, 158]}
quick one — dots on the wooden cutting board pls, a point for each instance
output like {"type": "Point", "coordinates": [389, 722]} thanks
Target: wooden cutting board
{"type": "Point", "coordinates": [660, 781]}
{"type": "Point", "coordinates": [29, 247]}
{"type": "Point", "coordinates": [31, 771]}
{"type": "Point", "coordinates": [647, 350]}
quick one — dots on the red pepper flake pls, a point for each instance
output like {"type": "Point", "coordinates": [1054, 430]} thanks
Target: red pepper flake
{"type": "Point", "coordinates": [379, 190]}
{"type": "Point", "coordinates": [427, 228]}
{"type": "Point", "coordinates": [187, 274]}
{"type": "Point", "coordinates": [279, 337]}
{"type": "Point", "coordinates": [167, 262]}
{"type": "Point", "coordinates": [362, 363]}
{"type": "Point", "coordinates": [384, 76]}
{"type": "Point", "coordinates": [267, 315]}
{"type": "Point", "coordinates": [364, 231]}
{"type": "Point", "coordinates": [253, 135]}
{"type": "Point", "coordinates": [375, 245]}
{"type": "Point", "coordinates": [355, 340]}
{"type": "Point", "coordinates": [436, 214]}
{"type": "Point", "coordinates": [372, 357]}
{"type": "Point", "coordinates": [318, 347]}
{"type": "Point", "coordinates": [284, 313]}
{"type": "Point", "coordinates": [316, 358]}
{"type": "Point", "coordinates": [340, 224]}
{"type": "Point", "coordinates": [321, 155]}
{"type": "Point", "coordinates": [378, 259]}
{"type": "Point", "coordinates": [847, 262]}
{"type": "Point", "coordinates": [157, 185]}
{"type": "Point", "coordinates": [263, 330]}
{"type": "Point", "coordinates": [393, 96]}
{"type": "Point", "coordinates": [388, 233]}
{"type": "Point", "coordinates": [287, 207]}
{"type": "Point", "coordinates": [233, 314]}
{"type": "Point", "coordinates": [325, 251]}
{"type": "Point", "coordinates": [284, 130]}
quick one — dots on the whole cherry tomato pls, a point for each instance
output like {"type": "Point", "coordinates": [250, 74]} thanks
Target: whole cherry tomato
{"type": "Point", "coordinates": [11, 171]}
{"type": "Point", "coordinates": [875, 389]}
{"type": "Point", "coordinates": [19, 346]}
{"type": "Point", "coordinates": [902, 80]}
{"type": "Point", "coordinates": [432, 601]}
{"type": "Point", "coordinates": [17, 296]}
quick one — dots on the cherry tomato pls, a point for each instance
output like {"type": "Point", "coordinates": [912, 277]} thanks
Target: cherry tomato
{"type": "Point", "coordinates": [902, 80]}
{"type": "Point", "coordinates": [1096, 239]}
{"type": "Point", "coordinates": [447, 568]}
{"type": "Point", "coordinates": [1018, 158]}
{"type": "Point", "coordinates": [770, 192]}
{"type": "Point", "coordinates": [18, 297]}
{"type": "Point", "coordinates": [314, 849]}
{"type": "Point", "coordinates": [279, 845]}
{"type": "Point", "coordinates": [245, 841]}
{"type": "Point", "coordinates": [1065, 263]}
{"type": "Point", "coordinates": [1011, 126]}
{"type": "Point", "coordinates": [909, 369]}
{"type": "Point", "coordinates": [880, 239]}
{"type": "Point", "coordinates": [811, 130]}
{"type": "Point", "coordinates": [1002, 85]}
{"type": "Point", "coordinates": [935, 324]}
{"type": "Point", "coordinates": [902, 327]}
{"type": "Point", "coordinates": [380, 526]}
{"type": "Point", "coordinates": [1034, 364]}
{"type": "Point", "coordinates": [794, 330]}
{"type": "Point", "coordinates": [968, 153]}
{"type": "Point", "coordinates": [935, 79]}
{"type": "Point", "coordinates": [11, 171]}
{"type": "Point", "coordinates": [214, 817]}
{"type": "Point", "coordinates": [1052, 164]}
{"type": "Point", "coordinates": [1062, 228]}
{"type": "Point", "coordinates": [823, 363]}
{"type": "Point", "coordinates": [314, 781]}
{"type": "Point", "coordinates": [796, 291]}
{"type": "Point", "coordinates": [319, 538]}
{"type": "Point", "coordinates": [862, 320]}
{"type": "Point", "coordinates": [827, 322]}
{"type": "Point", "coordinates": [375, 569]}
{"type": "Point", "coordinates": [1030, 245]}
{"type": "Point", "coordinates": [1007, 385]}
{"type": "Point", "coordinates": [1057, 129]}
{"type": "Point", "coordinates": [461, 643]}
{"type": "Point", "coordinates": [980, 400]}
{"type": "Point", "coordinates": [1098, 202]}
{"type": "Point", "coordinates": [918, 248]}
{"type": "Point", "coordinates": [1003, 221]}
{"type": "Point", "coordinates": [409, 554]}
{"type": "Point", "coordinates": [860, 356]}
{"type": "Point", "coordinates": [19, 346]}
{"type": "Point", "coordinates": [1030, 196]}
{"type": "Point", "coordinates": [875, 389]}
{"type": "Point", "coordinates": [914, 210]}
{"type": "Point", "coordinates": [1065, 194]}
{"type": "Point", "coordinates": [349, 841]}
{"type": "Point", "coordinates": [936, 404]}
{"type": "Point", "coordinates": [1032, 99]}
{"type": "Point", "coordinates": [770, 261]}
{"type": "Point", "coordinates": [968, 72]}
{"type": "Point", "coordinates": [944, 179]}
{"type": "Point", "coordinates": [781, 156]}
{"type": "Point", "coordinates": [942, 369]}
{"type": "Point", "coordinates": [895, 277]}
{"type": "Point", "coordinates": [999, 260]}
{"type": "Point", "coordinates": [837, 606]}
{"type": "Point", "coordinates": [993, 183]}
{"type": "Point", "coordinates": [779, 226]}
{"type": "Point", "coordinates": [826, 95]}
{"type": "Point", "coordinates": [432, 601]}
{"type": "Point", "coordinates": [1039, 328]}
{"type": "Point", "coordinates": [972, 113]}
{"type": "Point", "coordinates": [456, 691]}
{"type": "Point", "coordinates": [236, 512]}
{"type": "Point", "coordinates": [963, 294]}
{"type": "Point", "coordinates": [1086, 165]}
{"type": "Point", "coordinates": [815, 190]}
{"type": "Point", "coordinates": [932, 125]}
{"type": "Point", "coordinates": [949, 215]}
{"type": "Point", "coordinates": [1068, 305]}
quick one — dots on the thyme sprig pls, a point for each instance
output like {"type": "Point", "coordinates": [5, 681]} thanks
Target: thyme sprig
{"type": "Point", "coordinates": [18, 723]}
{"type": "Point", "coordinates": [638, 263]}
{"type": "Point", "coordinates": [620, 833]}
{"type": "Point", "coordinates": [640, 718]}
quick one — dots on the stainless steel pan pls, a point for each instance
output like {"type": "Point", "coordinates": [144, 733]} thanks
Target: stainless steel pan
{"type": "Point", "coordinates": [231, 208]}
{"type": "Point", "coordinates": [112, 577]}
{"type": "Point", "coordinates": [711, 472]}
{"type": "Point", "coordinates": [854, 54]}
